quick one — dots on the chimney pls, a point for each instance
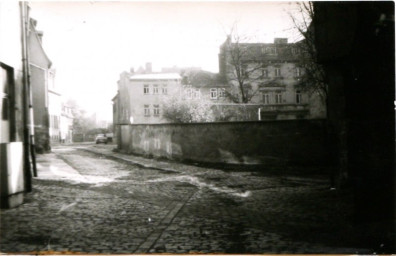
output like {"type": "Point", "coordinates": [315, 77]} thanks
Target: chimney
{"type": "Point", "coordinates": [148, 67]}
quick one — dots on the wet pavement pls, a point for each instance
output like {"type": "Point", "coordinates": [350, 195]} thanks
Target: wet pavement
{"type": "Point", "coordinates": [90, 199]}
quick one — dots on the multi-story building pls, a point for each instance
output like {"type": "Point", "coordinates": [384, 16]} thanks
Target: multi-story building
{"type": "Point", "coordinates": [270, 75]}
{"type": "Point", "coordinates": [141, 96]}
{"type": "Point", "coordinates": [39, 66]}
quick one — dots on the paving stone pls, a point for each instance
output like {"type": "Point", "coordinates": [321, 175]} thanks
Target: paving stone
{"type": "Point", "coordinates": [191, 210]}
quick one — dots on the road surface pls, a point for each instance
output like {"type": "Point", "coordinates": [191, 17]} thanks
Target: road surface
{"type": "Point", "coordinates": [87, 199]}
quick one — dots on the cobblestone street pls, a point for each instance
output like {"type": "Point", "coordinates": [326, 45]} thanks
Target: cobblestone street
{"type": "Point", "coordinates": [89, 199]}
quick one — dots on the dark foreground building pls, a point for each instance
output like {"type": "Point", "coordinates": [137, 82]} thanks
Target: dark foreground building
{"type": "Point", "coordinates": [355, 42]}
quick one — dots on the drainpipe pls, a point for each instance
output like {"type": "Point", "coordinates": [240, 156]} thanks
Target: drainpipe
{"type": "Point", "coordinates": [25, 95]}
{"type": "Point", "coordinates": [32, 144]}
{"type": "Point", "coordinates": [259, 114]}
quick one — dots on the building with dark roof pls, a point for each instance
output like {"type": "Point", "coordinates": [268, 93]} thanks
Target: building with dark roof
{"type": "Point", "coordinates": [270, 74]}
{"type": "Point", "coordinates": [40, 75]}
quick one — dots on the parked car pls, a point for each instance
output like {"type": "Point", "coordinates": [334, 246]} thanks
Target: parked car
{"type": "Point", "coordinates": [101, 138]}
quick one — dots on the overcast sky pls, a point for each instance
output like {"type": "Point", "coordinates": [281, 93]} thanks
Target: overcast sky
{"type": "Point", "coordinates": [91, 43]}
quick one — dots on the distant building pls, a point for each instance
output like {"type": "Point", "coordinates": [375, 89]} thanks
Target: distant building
{"type": "Point", "coordinates": [141, 97]}
{"type": "Point", "coordinates": [200, 84]}
{"type": "Point", "coordinates": [54, 109]}
{"type": "Point", "coordinates": [66, 124]}
{"type": "Point", "coordinates": [275, 85]}
{"type": "Point", "coordinates": [179, 70]}
{"type": "Point", "coordinates": [39, 65]}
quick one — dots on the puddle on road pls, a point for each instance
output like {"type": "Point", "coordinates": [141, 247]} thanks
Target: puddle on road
{"type": "Point", "coordinates": [196, 182]}
{"type": "Point", "coordinates": [48, 172]}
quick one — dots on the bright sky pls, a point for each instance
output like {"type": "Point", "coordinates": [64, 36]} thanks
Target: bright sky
{"type": "Point", "coordinates": [91, 43]}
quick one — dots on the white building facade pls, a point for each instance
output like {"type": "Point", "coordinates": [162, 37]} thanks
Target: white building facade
{"type": "Point", "coordinates": [141, 97]}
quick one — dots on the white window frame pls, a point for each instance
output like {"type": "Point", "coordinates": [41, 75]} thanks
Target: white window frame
{"type": "Point", "coordinates": [146, 89]}
{"type": "Point", "coordinates": [196, 93]}
{"type": "Point", "coordinates": [164, 89]}
{"type": "Point", "coordinates": [213, 93]}
{"type": "Point", "coordinates": [156, 110]}
{"type": "Point", "coordinates": [298, 97]}
{"type": "Point", "coordinates": [278, 98]}
{"type": "Point", "coordinates": [155, 89]}
{"type": "Point", "coordinates": [221, 93]}
{"type": "Point", "coordinates": [146, 110]}
{"type": "Point", "coordinates": [266, 98]}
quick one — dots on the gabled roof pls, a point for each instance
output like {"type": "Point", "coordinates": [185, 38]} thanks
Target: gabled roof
{"type": "Point", "coordinates": [34, 34]}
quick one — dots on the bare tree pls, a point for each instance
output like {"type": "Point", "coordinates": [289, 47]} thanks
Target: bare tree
{"type": "Point", "coordinates": [314, 78]}
{"type": "Point", "coordinates": [242, 67]}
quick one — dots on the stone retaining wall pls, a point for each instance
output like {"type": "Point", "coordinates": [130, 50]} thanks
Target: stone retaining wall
{"type": "Point", "coordinates": [289, 141]}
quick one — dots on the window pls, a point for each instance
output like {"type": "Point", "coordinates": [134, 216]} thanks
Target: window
{"type": "Point", "coordinates": [156, 110]}
{"type": "Point", "coordinates": [222, 92]}
{"type": "Point", "coordinates": [164, 89]}
{"type": "Point", "coordinates": [298, 72]}
{"type": "Point", "coordinates": [298, 97]}
{"type": "Point", "coordinates": [266, 98]}
{"type": "Point", "coordinates": [5, 92]}
{"type": "Point", "coordinates": [157, 143]}
{"type": "Point", "coordinates": [196, 94]}
{"type": "Point", "coordinates": [265, 72]}
{"type": "Point", "coordinates": [295, 51]}
{"type": "Point", "coordinates": [188, 93]}
{"type": "Point", "coordinates": [155, 89]}
{"type": "Point", "coordinates": [270, 50]}
{"type": "Point", "coordinates": [278, 98]}
{"type": "Point", "coordinates": [213, 93]}
{"type": "Point", "coordinates": [146, 110]}
{"type": "Point", "coordinates": [277, 72]}
{"type": "Point", "coordinates": [146, 89]}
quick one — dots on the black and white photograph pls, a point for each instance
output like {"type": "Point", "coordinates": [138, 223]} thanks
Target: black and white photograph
{"type": "Point", "coordinates": [197, 127]}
